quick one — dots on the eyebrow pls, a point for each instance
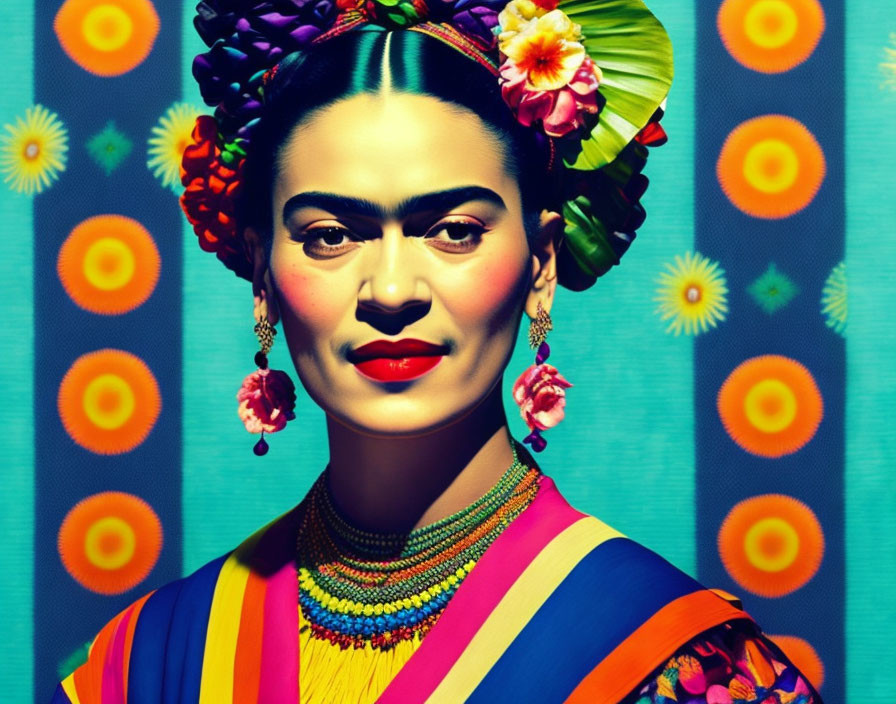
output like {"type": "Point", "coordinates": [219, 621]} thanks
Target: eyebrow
{"type": "Point", "coordinates": [344, 205]}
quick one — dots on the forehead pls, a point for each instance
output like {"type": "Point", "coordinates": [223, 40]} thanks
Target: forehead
{"type": "Point", "coordinates": [390, 146]}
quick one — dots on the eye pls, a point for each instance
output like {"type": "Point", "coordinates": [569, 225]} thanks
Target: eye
{"type": "Point", "coordinates": [455, 236]}
{"type": "Point", "coordinates": [326, 241]}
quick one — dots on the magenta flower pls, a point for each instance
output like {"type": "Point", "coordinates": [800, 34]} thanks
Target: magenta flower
{"type": "Point", "coordinates": [540, 393]}
{"type": "Point", "coordinates": [561, 110]}
{"type": "Point", "coordinates": [267, 399]}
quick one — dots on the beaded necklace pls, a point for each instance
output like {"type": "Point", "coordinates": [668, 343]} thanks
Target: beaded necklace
{"type": "Point", "coordinates": [375, 590]}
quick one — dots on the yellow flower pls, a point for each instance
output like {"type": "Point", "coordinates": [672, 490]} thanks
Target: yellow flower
{"type": "Point", "coordinates": [547, 51]}
{"type": "Point", "coordinates": [515, 17]}
{"type": "Point", "coordinates": [34, 151]}
{"type": "Point", "coordinates": [170, 137]}
{"type": "Point", "coordinates": [693, 293]}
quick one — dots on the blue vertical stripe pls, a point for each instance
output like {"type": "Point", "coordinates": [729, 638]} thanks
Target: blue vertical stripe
{"type": "Point", "coordinates": [16, 372]}
{"type": "Point", "coordinates": [66, 472]}
{"type": "Point", "coordinates": [806, 246]}
{"type": "Point", "coordinates": [871, 352]}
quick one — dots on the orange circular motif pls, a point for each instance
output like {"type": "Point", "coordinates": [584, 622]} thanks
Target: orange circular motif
{"type": "Point", "coordinates": [771, 166]}
{"type": "Point", "coordinates": [109, 401]}
{"type": "Point", "coordinates": [109, 542]}
{"type": "Point", "coordinates": [107, 37]}
{"type": "Point", "coordinates": [770, 36]}
{"type": "Point", "coordinates": [771, 545]}
{"type": "Point", "coordinates": [803, 656]}
{"type": "Point", "coordinates": [770, 405]}
{"type": "Point", "coordinates": [109, 264]}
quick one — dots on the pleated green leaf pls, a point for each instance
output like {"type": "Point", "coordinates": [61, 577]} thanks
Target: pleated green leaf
{"type": "Point", "coordinates": [586, 238]}
{"type": "Point", "coordinates": [634, 53]}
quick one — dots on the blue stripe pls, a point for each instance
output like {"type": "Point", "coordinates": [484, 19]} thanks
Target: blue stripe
{"type": "Point", "coordinates": [147, 661]}
{"type": "Point", "coordinates": [805, 247]}
{"type": "Point", "coordinates": [611, 592]}
{"type": "Point", "coordinates": [169, 641]}
{"type": "Point", "coordinates": [186, 642]}
{"type": "Point", "coordinates": [60, 697]}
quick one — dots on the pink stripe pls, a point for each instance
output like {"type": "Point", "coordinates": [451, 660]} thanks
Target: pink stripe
{"type": "Point", "coordinates": [113, 668]}
{"type": "Point", "coordinates": [497, 570]}
{"type": "Point", "coordinates": [280, 635]}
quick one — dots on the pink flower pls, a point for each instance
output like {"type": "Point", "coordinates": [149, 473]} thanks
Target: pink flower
{"type": "Point", "coordinates": [541, 396]}
{"type": "Point", "coordinates": [267, 399]}
{"type": "Point", "coordinates": [562, 110]}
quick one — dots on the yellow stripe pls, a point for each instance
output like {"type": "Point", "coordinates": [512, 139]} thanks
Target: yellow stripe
{"type": "Point", "coordinates": [68, 685]}
{"type": "Point", "coordinates": [533, 587]}
{"type": "Point", "coordinates": [224, 625]}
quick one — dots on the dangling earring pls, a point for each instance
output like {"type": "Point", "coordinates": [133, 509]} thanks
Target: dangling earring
{"type": "Point", "coordinates": [267, 397]}
{"type": "Point", "coordinates": [540, 391]}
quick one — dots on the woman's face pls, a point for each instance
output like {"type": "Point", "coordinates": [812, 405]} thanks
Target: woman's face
{"type": "Point", "coordinates": [395, 222]}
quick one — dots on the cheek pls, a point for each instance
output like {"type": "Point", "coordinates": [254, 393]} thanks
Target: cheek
{"type": "Point", "coordinates": [490, 294]}
{"type": "Point", "coordinates": [307, 298]}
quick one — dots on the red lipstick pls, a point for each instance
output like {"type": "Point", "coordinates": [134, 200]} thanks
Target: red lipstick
{"type": "Point", "coordinates": [401, 360]}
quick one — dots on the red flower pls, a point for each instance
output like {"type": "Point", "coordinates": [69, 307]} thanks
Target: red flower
{"type": "Point", "coordinates": [267, 399]}
{"type": "Point", "coordinates": [540, 393]}
{"type": "Point", "coordinates": [209, 199]}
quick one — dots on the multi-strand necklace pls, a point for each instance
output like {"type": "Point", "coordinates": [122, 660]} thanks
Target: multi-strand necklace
{"type": "Point", "coordinates": [373, 590]}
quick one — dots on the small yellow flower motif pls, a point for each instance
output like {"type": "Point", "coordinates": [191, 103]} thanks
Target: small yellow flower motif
{"type": "Point", "coordinates": [368, 610]}
{"type": "Point", "coordinates": [358, 609]}
{"type": "Point", "coordinates": [377, 609]}
{"type": "Point", "coordinates": [169, 138]}
{"type": "Point", "coordinates": [452, 579]}
{"type": "Point", "coordinates": [34, 151]}
{"type": "Point", "coordinates": [388, 609]}
{"type": "Point", "coordinates": [425, 596]}
{"type": "Point", "coordinates": [407, 603]}
{"type": "Point", "coordinates": [693, 294]}
{"type": "Point", "coordinates": [415, 600]}
{"type": "Point", "coordinates": [547, 50]}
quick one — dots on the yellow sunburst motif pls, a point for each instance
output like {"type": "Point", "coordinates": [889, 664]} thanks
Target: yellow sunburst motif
{"type": "Point", "coordinates": [888, 65]}
{"type": "Point", "coordinates": [693, 294]}
{"type": "Point", "coordinates": [33, 151]}
{"type": "Point", "coordinates": [170, 137]}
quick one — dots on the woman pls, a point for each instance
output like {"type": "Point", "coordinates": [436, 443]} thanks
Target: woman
{"type": "Point", "coordinates": [400, 183]}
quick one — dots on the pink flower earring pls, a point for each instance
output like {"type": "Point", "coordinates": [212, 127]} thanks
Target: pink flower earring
{"type": "Point", "coordinates": [267, 397]}
{"type": "Point", "coordinates": [540, 391]}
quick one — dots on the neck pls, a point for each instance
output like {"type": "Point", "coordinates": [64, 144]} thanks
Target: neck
{"type": "Point", "coordinates": [397, 484]}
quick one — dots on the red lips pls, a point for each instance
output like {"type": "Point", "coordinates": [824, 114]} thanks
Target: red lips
{"type": "Point", "coordinates": [402, 360]}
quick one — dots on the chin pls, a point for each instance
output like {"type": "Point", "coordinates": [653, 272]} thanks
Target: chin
{"type": "Point", "coordinates": [400, 416]}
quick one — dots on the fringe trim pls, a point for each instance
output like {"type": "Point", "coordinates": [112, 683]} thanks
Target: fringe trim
{"type": "Point", "coordinates": [328, 674]}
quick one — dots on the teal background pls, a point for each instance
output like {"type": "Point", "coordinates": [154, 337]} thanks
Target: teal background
{"type": "Point", "coordinates": [626, 451]}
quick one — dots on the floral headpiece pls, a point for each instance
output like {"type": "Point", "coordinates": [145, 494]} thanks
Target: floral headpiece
{"type": "Point", "coordinates": [591, 75]}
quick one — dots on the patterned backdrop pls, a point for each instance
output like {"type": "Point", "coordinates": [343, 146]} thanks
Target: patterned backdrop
{"type": "Point", "coordinates": [726, 411]}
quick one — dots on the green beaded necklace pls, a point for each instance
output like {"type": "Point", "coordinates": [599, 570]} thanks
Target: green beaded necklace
{"type": "Point", "coordinates": [359, 588]}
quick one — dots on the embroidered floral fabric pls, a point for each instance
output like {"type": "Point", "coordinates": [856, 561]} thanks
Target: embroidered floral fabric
{"type": "Point", "coordinates": [730, 664]}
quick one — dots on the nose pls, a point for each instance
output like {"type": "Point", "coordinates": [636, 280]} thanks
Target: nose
{"type": "Point", "coordinates": [395, 291]}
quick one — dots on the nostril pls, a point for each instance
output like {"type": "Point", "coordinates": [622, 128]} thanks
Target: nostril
{"type": "Point", "coordinates": [391, 321]}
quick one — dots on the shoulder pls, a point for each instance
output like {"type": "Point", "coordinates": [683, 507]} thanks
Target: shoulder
{"type": "Point", "coordinates": [162, 635]}
{"type": "Point", "coordinates": [733, 661]}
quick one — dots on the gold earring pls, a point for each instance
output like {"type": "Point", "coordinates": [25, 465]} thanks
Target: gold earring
{"type": "Point", "coordinates": [539, 327]}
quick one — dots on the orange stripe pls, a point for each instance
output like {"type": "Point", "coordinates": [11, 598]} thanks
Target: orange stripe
{"type": "Point", "coordinates": [89, 676]}
{"type": "Point", "coordinates": [650, 644]}
{"type": "Point", "coordinates": [247, 664]}
{"type": "Point", "coordinates": [129, 637]}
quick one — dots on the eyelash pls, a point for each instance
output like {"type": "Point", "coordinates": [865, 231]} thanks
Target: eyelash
{"type": "Point", "coordinates": [312, 238]}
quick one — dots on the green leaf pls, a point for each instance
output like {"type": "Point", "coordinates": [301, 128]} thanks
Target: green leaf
{"type": "Point", "coordinates": [634, 54]}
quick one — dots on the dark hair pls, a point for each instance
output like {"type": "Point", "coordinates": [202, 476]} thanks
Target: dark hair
{"type": "Point", "coordinates": [347, 65]}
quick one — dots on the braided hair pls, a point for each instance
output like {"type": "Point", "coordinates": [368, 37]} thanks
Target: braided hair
{"type": "Point", "coordinates": [272, 65]}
